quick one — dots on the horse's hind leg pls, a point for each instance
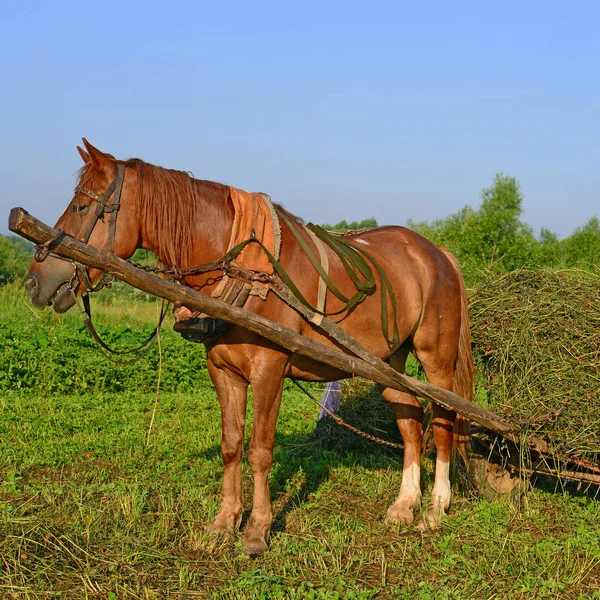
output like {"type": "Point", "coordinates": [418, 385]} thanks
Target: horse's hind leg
{"type": "Point", "coordinates": [409, 417]}
{"type": "Point", "coordinates": [439, 370]}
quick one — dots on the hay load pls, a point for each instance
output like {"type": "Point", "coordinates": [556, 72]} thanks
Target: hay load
{"type": "Point", "coordinates": [537, 334]}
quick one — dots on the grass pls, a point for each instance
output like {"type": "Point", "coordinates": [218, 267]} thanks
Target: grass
{"type": "Point", "coordinates": [89, 509]}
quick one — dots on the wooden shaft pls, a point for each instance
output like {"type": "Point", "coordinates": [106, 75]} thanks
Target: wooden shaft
{"type": "Point", "coordinates": [26, 225]}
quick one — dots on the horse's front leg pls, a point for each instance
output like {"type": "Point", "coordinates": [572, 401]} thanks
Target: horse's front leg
{"type": "Point", "coordinates": [267, 388]}
{"type": "Point", "coordinates": [232, 393]}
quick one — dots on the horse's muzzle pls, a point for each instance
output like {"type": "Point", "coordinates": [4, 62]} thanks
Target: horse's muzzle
{"type": "Point", "coordinates": [57, 295]}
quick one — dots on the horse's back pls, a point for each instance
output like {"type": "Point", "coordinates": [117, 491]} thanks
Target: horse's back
{"type": "Point", "coordinates": [422, 278]}
{"type": "Point", "coordinates": [411, 260]}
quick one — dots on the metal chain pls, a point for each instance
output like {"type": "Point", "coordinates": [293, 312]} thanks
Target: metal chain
{"type": "Point", "coordinates": [242, 273]}
{"type": "Point", "coordinates": [178, 274]}
{"type": "Point", "coordinates": [341, 421]}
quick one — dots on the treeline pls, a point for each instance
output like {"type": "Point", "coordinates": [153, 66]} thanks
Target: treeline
{"type": "Point", "coordinates": [494, 238]}
{"type": "Point", "coordinates": [352, 226]}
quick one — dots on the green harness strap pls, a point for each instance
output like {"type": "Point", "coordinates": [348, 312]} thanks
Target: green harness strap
{"type": "Point", "coordinates": [356, 264]}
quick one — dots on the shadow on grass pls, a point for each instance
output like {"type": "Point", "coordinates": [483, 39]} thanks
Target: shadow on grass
{"type": "Point", "coordinates": [331, 446]}
{"type": "Point", "coordinates": [304, 462]}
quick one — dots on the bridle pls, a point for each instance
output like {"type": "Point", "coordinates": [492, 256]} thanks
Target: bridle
{"type": "Point", "coordinates": [104, 206]}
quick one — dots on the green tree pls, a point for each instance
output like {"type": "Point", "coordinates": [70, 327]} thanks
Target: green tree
{"type": "Point", "coordinates": [551, 249]}
{"type": "Point", "coordinates": [490, 238]}
{"type": "Point", "coordinates": [15, 256]}
{"type": "Point", "coordinates": [345, 226]}
{"type": "Point", "coordinates": [582, 247]}
{"type": "Point", "coordinates": [506, 242]}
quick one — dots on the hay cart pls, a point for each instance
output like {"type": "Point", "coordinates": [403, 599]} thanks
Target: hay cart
{"type": "Point", "coordinates": [503, 453]}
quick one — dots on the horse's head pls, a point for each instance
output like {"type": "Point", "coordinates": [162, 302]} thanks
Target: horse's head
{"type": "Point", "coordinates": [104, 197]}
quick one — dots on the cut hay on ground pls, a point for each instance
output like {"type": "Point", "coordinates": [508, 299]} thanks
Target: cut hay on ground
{"type": "Point", "coordinates": [537, 334]}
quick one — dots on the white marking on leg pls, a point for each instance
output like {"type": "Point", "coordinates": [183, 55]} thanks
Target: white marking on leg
{"type": "Point", "coordinates": [440, 497]}
{"type": "Point", "coordinates": [409, 497]}
{"type": "Point", "coordinates": [410, 488]}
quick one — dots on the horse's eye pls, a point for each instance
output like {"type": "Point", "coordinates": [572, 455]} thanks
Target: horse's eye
{"type": "Point", "coordinates": [80, 208]}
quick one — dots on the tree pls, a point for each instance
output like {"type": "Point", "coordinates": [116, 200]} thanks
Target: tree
{"type": "Point", "coordinates": [582, 247]}
{"type": "Point", "coordinates": [345, 226]}
{"type": "Point", "coordinates": [506, 241]}
{"type": "Point", "coordinates": [551, 249]}
{"type": "Point", "coordinates": [490, 238]}
{"type": "Point", "coordinates": [15, 256]}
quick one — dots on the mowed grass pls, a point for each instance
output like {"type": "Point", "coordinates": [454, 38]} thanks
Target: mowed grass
{"type": "Point", "coordinates": [90, 507]}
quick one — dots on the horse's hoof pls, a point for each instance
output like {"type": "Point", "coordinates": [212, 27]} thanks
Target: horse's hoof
{"type": "Point", "coordinates": [432, 520]}
{"type": "Point", "coordinates": [399, 514]}
{"type": "Point", "coordinates": [222, 532]}
{"type": "Point", "coordinates": [254, 546]}
{"type": "Point", "coordinates": [221, 529]}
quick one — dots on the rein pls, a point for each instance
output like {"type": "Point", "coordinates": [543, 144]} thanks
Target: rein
{"type": "Point", "coordinates": [105, 349]}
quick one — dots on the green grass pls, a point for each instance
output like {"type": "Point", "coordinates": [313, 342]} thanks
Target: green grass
{"type": "Point", "coordinates": [42, 352]}
{"type": "Point", "coordinates": [89, 509]}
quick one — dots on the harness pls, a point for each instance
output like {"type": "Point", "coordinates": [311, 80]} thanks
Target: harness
{"type": "Point", "coordinates": [240, 279]}
{"type": "Point", "coordinates": [355, 261]}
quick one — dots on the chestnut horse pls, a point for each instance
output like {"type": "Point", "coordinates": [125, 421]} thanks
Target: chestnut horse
{"type": "Point", "coordinates": [187, 222]}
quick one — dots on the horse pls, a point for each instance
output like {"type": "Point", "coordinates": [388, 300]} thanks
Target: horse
{"type": "Point", "coordinates": [186, 222]}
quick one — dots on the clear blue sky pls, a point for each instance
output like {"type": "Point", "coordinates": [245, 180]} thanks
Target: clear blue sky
{"type": "Point", "coordinates": [338, 110]}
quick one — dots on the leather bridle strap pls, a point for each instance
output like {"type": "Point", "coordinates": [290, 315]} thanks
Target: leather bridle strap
{"type": "Point", "coordinates": [104, 206]}
{"type": "Point", "coordinates": [106, 350]}
{"type": "Point", "coordinates": [112, 208]}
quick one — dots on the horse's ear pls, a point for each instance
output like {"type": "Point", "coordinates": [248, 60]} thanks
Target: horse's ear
{"type": "Point", "coordinates": [98, 158]}
{"type": "Point", "coordinates": [84, 155]}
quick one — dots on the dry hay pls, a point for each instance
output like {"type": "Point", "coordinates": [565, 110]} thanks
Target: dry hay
{"type": "Point", "coordinates": [537, 334]}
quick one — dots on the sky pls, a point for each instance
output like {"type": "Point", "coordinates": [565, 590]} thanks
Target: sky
{"type": "Point", "coordinates": [338, 110]}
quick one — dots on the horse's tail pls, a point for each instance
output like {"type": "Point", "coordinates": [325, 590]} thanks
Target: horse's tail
{"type": "Point", "coordinates": [463, 368]}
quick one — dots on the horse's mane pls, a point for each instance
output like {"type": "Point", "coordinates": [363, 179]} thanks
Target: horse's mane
{"type": "Point", "coordinates": [168, 202]}
{"type": "Point", "coordinates": [296, 219]}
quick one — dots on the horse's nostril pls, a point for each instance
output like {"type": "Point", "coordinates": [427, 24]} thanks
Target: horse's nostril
{"type": "Point", "coordinates": [31, 285]}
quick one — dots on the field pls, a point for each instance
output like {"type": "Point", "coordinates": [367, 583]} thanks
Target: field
{"type": "Point", "coordinates": [94, 504]}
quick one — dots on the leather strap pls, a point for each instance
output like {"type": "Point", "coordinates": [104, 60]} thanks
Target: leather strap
{"type": "Point", "coordinates": [322, 292]}
{"type": "Point", "coordinates": [103, 206]}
